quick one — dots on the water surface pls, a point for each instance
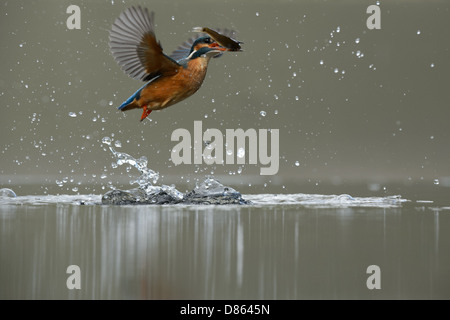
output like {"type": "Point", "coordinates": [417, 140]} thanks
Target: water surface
{"type": "Point", "coordinates": [283, 247]}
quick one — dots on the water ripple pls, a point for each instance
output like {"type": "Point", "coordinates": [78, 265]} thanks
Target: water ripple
{"type": "Point", "coordinates": [305, 200]}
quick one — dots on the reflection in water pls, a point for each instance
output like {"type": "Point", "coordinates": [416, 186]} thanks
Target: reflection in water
{"type": "Point", "coordinates": [266, 252]}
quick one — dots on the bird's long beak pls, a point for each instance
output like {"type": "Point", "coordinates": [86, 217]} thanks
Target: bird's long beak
{"type": "Point", "coordinates": [216, 46]}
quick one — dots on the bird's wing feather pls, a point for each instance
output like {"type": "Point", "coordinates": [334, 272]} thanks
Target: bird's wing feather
{"type": "Point", "coordinates": [134, 46]}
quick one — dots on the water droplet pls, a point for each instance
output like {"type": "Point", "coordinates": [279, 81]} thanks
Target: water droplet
{"type": "Point", "coordinates": [74, 189]}
{"type": "Point", "coordinates": [338, 29]}
{"type": "Point", "coordinates": [262, 113]}
{"type": "Point", "coordinates": [275, 112]}
{"type": "Point", "coordinates": [336, 70]}
{"type": "Point", "coordinates": [241, 152]}
{"type": "Point", "coordinates": [257, 13]}
{"type": "Point", "coordinates": [229, 152]}
{"type": "Point", "coordinates": [107, 140]}
{"type": "Point", "coordinates": [296, 98]}
{"type": "Point", "coordinates": [72, 114]}
{"type": "Point", "coordinates": [436, 181]}
{"type": "Point", "coordinates": [357, 40]}
{"type": "Point", "coordinates": [7, 193]}
{"type": "Point", "coordinates": [418, 31]}
{"type": "Point", "coordinates": [432, 65]}
{"type": "Point", "coordinates": [173, 18]}
{"type": "Point", "coordinates": [117, 144]}
{"type": "Point", "coordinates": [297, 163]}
{"type": "Point", "coordinates": [321, 62]}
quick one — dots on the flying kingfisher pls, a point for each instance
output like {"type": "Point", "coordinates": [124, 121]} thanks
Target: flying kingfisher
{"type": "Point", "coordinates": [169, 79]}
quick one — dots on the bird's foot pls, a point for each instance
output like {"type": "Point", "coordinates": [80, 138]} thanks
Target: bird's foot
{"type": "Point", "coordinates": [145, 113]}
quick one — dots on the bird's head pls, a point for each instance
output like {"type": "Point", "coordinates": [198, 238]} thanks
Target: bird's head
{"type": "Point", "coordinates": [205, 46]}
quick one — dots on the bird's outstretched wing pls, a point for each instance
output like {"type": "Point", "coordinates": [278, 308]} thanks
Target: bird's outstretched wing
{"type": "Point", "coordinates": [185, 48]}
{"type": "Point", "coordinates": [134, 46]}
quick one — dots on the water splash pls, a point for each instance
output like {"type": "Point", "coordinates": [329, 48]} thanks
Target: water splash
{"type": "Point", "coordinates": [209, 191]}
{"type": "Point", "coordinates": [148, 177]}
{"type": "Point", "coordinates": [212, 187]}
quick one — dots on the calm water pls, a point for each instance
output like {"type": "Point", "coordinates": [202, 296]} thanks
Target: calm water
{"type": "Point", "coordinates": [282, 247]}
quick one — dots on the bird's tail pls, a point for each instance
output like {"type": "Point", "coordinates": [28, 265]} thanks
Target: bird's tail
{"type": "Point", "coordinates": [131, 102]}
{"type": "Point", "coordinates": [128, 106]}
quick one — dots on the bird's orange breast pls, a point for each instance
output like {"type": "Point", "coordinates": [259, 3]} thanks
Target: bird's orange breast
{"type": "Point", "coordinates": [170, 89]}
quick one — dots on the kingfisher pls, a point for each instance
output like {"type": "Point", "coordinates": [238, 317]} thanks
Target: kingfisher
{"type": "Point", "coordinates": [169, 79]}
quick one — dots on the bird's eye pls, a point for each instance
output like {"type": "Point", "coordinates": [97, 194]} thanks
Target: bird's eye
{"type": "Point", "coordinates": [208, 40]}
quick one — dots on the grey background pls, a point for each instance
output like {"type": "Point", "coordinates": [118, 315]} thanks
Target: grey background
{"type": "Point", "coordinates": [385, 120]}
